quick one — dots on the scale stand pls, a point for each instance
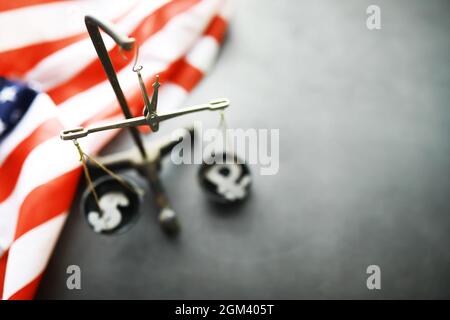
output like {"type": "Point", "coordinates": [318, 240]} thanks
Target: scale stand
{"type": "Point", "coordinates": [144, 159]}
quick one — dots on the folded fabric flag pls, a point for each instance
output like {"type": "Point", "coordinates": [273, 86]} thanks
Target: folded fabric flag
{"type": "Point", "coordinates": [51, 79]}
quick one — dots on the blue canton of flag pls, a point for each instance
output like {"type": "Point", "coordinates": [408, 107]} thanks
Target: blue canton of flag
{"type": "Point", "coordinates": [15, 99]}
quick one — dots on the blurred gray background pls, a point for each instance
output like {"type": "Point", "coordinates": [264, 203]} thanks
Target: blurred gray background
{"type": "Point", "coordinates": [364, 125]}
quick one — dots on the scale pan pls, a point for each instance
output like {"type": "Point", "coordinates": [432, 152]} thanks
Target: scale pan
{"type": "Point", "coordinates": [120, 205]}
{"type": "Point", "coordinates": [226, 181]}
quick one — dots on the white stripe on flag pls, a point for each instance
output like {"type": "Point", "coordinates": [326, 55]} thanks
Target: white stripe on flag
{"type": "Point", "coordinates": [180, 34]}
{"type": "Point", "coordinates": [171, 96]}
{"type": "Point", "coordinates": [31, 249]}
{"type": "Point", "coordinates": [203, 55]}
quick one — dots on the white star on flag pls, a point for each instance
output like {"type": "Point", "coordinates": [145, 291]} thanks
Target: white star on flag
{"type": "Point", "coordinates": [8, 94]}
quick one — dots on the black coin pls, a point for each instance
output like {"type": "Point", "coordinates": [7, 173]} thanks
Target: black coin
{"type": "Point", "coordinates": [225, 178]}
{"type": "Point", "coordinates": [119, 205]}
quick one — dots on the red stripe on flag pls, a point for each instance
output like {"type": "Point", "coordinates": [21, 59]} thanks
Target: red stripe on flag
{"type": "Point", "coordinates": [184, 74]}
{"type": "Point", "coordinates": [10, 169]}
{"type": "Point", "coordinates": [27, 292]}
{"type": "Point", "coordinates": [16, 4]}
{"type": "Point", "coordinates": [94, 74]}
{"type": "Point", "coordinates": [3, 260]}
{"type": "Point", "coordinates": [217, 28]}
{"type": "Point", "coordinates": [17, 62]}
{"type": "Point", "coordinates": [47, 201]}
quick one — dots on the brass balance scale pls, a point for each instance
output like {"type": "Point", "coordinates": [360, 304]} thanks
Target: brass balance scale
{"type": "Point", "coordinates": [111, 202]}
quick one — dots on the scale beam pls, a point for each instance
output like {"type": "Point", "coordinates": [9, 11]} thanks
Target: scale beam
{"type": "Point", "coordinates": [151, 119]}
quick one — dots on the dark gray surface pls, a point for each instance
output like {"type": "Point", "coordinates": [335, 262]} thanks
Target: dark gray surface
{"type": "Point", "coordinates": [364, 167]}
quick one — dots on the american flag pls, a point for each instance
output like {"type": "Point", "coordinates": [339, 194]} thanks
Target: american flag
{"type": "Point", "coordinates": [50, 79]}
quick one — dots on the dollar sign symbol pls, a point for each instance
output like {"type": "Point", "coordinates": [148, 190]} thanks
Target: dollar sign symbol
{"type": "Point", "coordinates": [227, 184]}
{"type": "Point", "coordinates": [111, 216]}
